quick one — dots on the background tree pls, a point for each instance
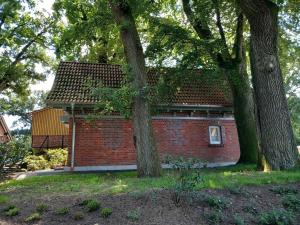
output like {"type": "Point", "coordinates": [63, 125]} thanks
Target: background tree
{"type": "Point", "coordinates": [148, 163]}
{"type": "Point", "coordinates": [23, 44]}
{"type": "Point", "coordinates": [277, 140]}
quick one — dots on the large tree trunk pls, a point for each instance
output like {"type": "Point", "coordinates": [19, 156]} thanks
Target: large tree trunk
{"type": "Point", "coordinates": [277, 140]}
{"type": "Point", "coordinates": [148, 163]}
{"type": "Point", "coordinates": [236, 73]}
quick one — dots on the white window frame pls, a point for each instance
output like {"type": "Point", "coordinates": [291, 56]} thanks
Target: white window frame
{"type": "Point", "coordinates": [219, 133]}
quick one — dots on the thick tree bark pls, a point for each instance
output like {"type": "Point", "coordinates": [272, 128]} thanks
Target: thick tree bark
{"type": "Point", "coordinates": [235, 71]}
{"type": "Point", "coordinates": [148, 163]}
{"type": "Point", "coordinates": [277, 140]}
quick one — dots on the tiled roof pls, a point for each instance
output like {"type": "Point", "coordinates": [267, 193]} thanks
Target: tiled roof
{"type": "Point", "coordinates": [74, 80]}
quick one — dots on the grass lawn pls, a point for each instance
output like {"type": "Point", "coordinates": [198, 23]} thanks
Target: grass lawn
{"type": "Point", "coordinates": [121, 182]}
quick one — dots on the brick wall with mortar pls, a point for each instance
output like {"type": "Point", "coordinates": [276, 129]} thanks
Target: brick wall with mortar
{"type": "Point", "coordinates": [110, 141]}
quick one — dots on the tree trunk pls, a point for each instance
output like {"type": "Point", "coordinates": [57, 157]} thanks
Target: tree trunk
{"type": "Point", "coordinates": [236, 73]}
{"type": "Point", "coordinates": [277, 140]}
{"type": "Point", "coordinates": [148, 163]}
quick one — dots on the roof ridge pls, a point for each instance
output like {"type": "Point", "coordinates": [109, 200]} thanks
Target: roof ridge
{"type": "Point", "coordinates": [95, 63]}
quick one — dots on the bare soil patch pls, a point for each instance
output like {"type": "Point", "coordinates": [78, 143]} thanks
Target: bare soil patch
{"type": "Point", "coordinates": [157, 207]}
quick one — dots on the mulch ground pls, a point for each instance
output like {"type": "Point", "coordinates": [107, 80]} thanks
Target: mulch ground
{"type": "Point", "coordinates": [158, 207]}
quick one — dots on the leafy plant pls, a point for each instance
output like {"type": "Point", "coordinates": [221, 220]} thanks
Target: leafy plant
{"type": "Point", "coordinates": [250, 209]}
{"type": "Point", "coordinates": [291, 202]}
{"type": "Point", "coordinates": [41, 208]}
{"type": "Point", "coordinates": [57, 157]}
{"type": "Point", "coordinates": [276, 217]}
{"type": "Point", "coordinates": [78, 215]}
{"type": "Point", "coordinates": [133, 215]}
{"type": "Point", "coordinates": [216, 202]}
{"type": "Point", "coordinates": [238, 220]}
{"type": "Point", "coordinates": [12, 212]}
{"type": "Point", "coordinates": [214, 217]}
{"type": "Point", "coordinates": [93, 205]}
{"type": "Point", "coordinates": [36, 162]}
{"type": "Point", "coordinates": [62, 211]}
{"type": "Point", "coordinates": [33, 217]}
{"type": "Point", "coordinates": [283, 190]}
{"type": "Point", "coordinates": [106, 212]}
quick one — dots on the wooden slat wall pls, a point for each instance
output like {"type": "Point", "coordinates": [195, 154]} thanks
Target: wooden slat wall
{"type": "Point", "coordinates": [47, 122]}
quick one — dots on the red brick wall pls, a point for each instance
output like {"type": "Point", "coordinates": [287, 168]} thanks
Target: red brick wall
{"type": "Point", "coordinates": [55, 141]}
{"type": "Point", "coordinates": [110, 141]}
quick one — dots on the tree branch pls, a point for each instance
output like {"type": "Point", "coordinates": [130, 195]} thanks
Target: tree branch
{"type": "Point", "coordinates": [219, 22]}
{"type": "Point", "coordinates": [238, 43]}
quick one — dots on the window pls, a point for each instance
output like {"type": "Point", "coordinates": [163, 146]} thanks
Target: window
{"type": "Point", "coordinates": [215, 135]}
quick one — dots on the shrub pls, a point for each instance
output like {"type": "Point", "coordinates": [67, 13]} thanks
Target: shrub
{"type": "Point", "coordinates": [9, 207]}
{"type": "Point", "coordinates": [214, 217]}
{"type": "Point", "coordinates": [36, 162]}
{"type": "Point", "coordinates": [238, 220]}
{"type": "Point", "coordinates": [78, 215]}
{"type": "Point", "coordinates": [12, 212]}
{"type": "Point", "coordinates": [57, 157]}
{"type": "Point", "coordinates": [33, 217]}
{"type": "Point", "coordinates": [216, 202]}
{"type": "Point", "coordinates": [41, 208]}
{"type": "Point", "coordinates": [250, 209]}
{"type": "Point", "coordinates": [62, 211]}
{"type": "Point", "coordinates": [133, 215]}
{"type": "Point", "coordinates": [106, 212]}
{"type": "Point", "coordinates": [283, 190]}
{"type": "Point", "coordinates": [93, 205]}
{"type": "Point", "coordinates": [14, 152]}
{"type": "Point", "coordinates": [85, 202]}
{"type": "Point", "coordinates": [276, 217]}
{"type": "Point", "coordinates": [291, 202]}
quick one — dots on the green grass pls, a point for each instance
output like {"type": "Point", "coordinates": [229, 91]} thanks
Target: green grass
{"type": "Point", "coordinates": [3, 199]}
{"type": "Point", "coordinates": [120, 182]}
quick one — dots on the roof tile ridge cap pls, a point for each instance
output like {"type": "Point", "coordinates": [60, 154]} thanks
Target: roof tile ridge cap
{"type": "Point", "coordinates": [91, 63]}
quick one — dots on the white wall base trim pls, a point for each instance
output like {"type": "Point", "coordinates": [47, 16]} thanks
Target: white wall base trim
{"type": "Point", "coordinates": [133, 167]}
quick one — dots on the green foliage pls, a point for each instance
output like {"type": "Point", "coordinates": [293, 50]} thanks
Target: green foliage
{"type": "Point", "coordinates": [3, 199]}
{"type": "Point", "coordinates": [276, 217]}
{"type": "Point", "coordinates": [216, 202]}
{"type": "Point", "coordinates": [106, 212]}
{"type": "Point", "coordinates": [41, 208]}
{"type": "Point", "coordinates": [57, 157]}
{"type": "Point", "coordinates": [62, 211]}
{"type": "Point", "coordinates": [9, 208]}
{"type": "Point", "coordinates": [291, 202]}
{"type": "Point", "coordinates": [78, 215]}
{"type": "Point", "coordinates": [249, 208]}
{"type": "Point", "coordinates": [133, 215]}
{"type": "Point", "coordinates": [33, 218]}
{"type": "Point", "coordinates": [284, 190]}
{"type": "Point", "coordinates": [36, 162]}
{"type": "Point", "coordinates": [214, 217]}
{"type": "Point", "coordinates": [14, 152]}
{"type": "Point", "coordinates": [238, 220]}
{"type": "Point", "coordinates": [12, 212]}
{"type": "Point", "coordinates": [92, 205]}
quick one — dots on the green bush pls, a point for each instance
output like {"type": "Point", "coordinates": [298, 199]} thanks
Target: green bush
{"type": "Point", "coordinates": [41, 208]}
{"type": "Point", "coordinates": [14, 151]}
{"type": "Point", "coordinates": [93, 205]}
{"type": "Point", "coordinates": [33, 217]}
{"type": "Point", "coordinates": [62, 211]}
{"type": "Point", "coordinates": [216, 202]}
{"type": "Point", "coordinates": [291, 202]}
{"type": "Point", "coordinates": [57, 157]}
{"type": "Point", "coordinates": [276, 217]}
{"type": "Point", "coordinates": [36, 162]}
{"type": "Point", "coordinates": [106, 212]}
{"type": "Point", "coordinates": [12, 212]}
{"type": "Point", "coordinates": [214, 217]}
{"type": "Point", "coordinates": [3, 199]}
{"type": "Point", "coordinates": [283, 190]}
{"type": "Point", "coordinates": [133, 215]}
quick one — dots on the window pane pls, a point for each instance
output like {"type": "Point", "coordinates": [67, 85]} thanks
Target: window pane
{"type": "Point", "coordinates": [215, 137]}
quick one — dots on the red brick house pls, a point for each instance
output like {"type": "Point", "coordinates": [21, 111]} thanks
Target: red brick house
{"type": "Point", "coordinates": [5, 135]}
{"type": "Point", "coordinates": [196, 122]}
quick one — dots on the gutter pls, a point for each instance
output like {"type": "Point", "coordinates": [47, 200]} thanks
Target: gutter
{"type": "Point", "coordinates": [73, 137]}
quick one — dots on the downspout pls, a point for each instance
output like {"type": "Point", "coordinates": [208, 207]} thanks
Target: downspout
{"type": "Point", "coordinates": [73, 137]}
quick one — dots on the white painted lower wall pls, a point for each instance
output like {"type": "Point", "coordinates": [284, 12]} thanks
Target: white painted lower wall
{"type": "Point", "coordinates": [133, 167]}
